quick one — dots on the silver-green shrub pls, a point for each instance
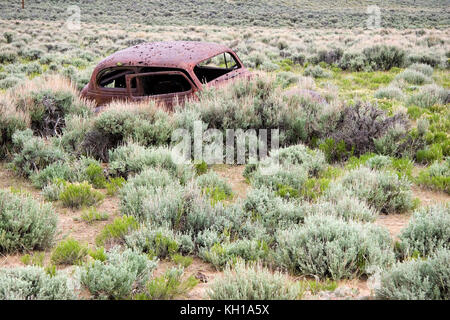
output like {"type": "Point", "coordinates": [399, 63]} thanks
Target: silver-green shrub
{"type": "Point", "coordinates": [33, 153]}
{"type": "Point", "coordinates": [430, 95]}
{"type": "Point", "coordinates": [340, 203]}
{"type": "Point", "coordinates": [116, 277]}
{"type": "Point", "coordinates": [253, 282]}
{"type": "Point", "coordinates": [418, 279]}
{"type": "Point", "coordinates": [132, 159]}
{"type": "Point", "coordinates": [211, 181]}
{"type": "Point", "coordinates": [427, 231]}
{"type": "Point", "coordinates": [52, 192]}
{"type": "Point", "coordinates": [221, 254]}
{"type": "Point", "coordinates": [383, 190]}
{"type": "Point", "coordinates": [25, 224]}
{"type": "Point", "coordinates": [33, 283]}
{"type": "Point", "coordinates": [271, 210]}
{"type": "Point", "coordinates": [149, 183]}
{"type": "Point", "coordinates": [389, 92]}
{"type": "Point", "coordinates": [159, 241]}
{"type": "Point", "coordinates": [275, 177]}
{"type": "Point", "coordinates": [379, 162]}
{"type": "Point", "coordinates": [313, 161]}
{"type": "Point", "coordinates": [413, 77]}
{"type": "Point", "coordinates": [423, 68]}
{"type": "Point", "coordinates": [329, 247]}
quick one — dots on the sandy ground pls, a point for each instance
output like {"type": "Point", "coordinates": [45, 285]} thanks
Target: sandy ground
{"type": "Point", "coordinates": [86, 233]}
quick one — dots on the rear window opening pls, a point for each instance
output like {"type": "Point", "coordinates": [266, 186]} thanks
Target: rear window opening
{"type": "Point", "coordinates": [157, 84]}
{"type": "Point", "coordinates": [115, 78]}
{"type": "Point", "coordinates": [215, 67]}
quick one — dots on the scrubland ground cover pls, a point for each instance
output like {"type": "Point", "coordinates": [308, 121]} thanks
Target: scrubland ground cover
{"type": "Point", "coordinates": [95, 205]}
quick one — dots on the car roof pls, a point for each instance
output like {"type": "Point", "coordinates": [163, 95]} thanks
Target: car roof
{"type": "Point", "coordinates": [170, 54]}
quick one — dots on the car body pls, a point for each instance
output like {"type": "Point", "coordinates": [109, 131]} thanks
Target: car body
{"type": "Point", "coordinates": [168, 72]}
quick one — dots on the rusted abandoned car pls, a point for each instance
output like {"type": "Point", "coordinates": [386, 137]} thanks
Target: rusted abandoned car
{"type": "Point", "coordinates": [165, 71]}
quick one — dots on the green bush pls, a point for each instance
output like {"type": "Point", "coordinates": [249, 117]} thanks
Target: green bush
{"type": "Point", "coordinates": [253, 282]}
{"type": "Point", "coordinates": [436, 176]}
{"type": "Point", "coordinates": [317, 72]}
{"type": "Point", "coordinates": [94, 172]}
{"type": "Point", "coordinates": [51, 173]}
{"type": "Point", "coordinates": [77, 195]}
{"type": "Point", "coordinates": [7, 56]}
{"type": "Point", "coordinates": [214, 186]}
{"type": "Point", "coordinates": [98, 254]}
{"type": "Point", "coordinates": [430, 154]}
{"type": "Point", "coordinates": [356, 137]}
{"type": "Point", "coordinates": [168, 286]}
{"type": "Point", "coordinates": [418, 279]}
{"type": "Point", "coordinates": [10, 82]}
{"type": "Point", "coordinates": [113, 185]}
{"type": "Point", "coordinates": [74, 132]}
{"type": "Point", "coordinates": [219, 255]}
{"type": "Point", "coordinates": [117, 230]}
{"type": "Point", "coordinates": [335, 151]}
{"type": "Point", "coordinates": [181, 260]}
{"type": "Point", "coordinates": [352, 61]}
{"type": "Point", "coordinates": [35, 259]}
{"type": "Point", "coordinates": [182, 208]}
{"type": "Point", "coordinates": [383, 190]}
{"type": "Point", "coordinates": [333, 248]}
{"type": "Point", "coordinates": [427, 232]}
{"type": "Point", "coordinates": [382, 57]}
{"type": "Point", "coordinates": [116, 277]}
{"type": "Point", "coordinates": [149, 126]}
{"type": "Point", "coordinates": [160, 242]}
{"type": "Point", "coordinates": [47, 109]}
{"type": "Point", "coordinates": [35, 154]}
{"type": "Point", "coordinates": [90, 215]}
{"type": "Point", "coordinates": [33, 283]}
{"type": "Point", "coordinates": [425, 58]}
{"type": "Point", "coordinates": [9, 123]}
{"type": "Point", "coordinates": [68, 252]}
{"type": "Point", "coordinates": [25, 224]}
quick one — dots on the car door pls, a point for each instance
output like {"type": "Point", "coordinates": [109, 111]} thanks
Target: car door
{"type": "Point", "coordinates": [167, 87]}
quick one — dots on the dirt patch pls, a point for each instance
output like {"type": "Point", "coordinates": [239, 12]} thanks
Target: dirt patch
{"type": "Point", "coordinates": [428, 197]}
{"type": "Point", "coordinates": [198, 266]}
{"type": "Point", "coordinates": [69, 226]}
{"type": "Point", "coordinates": [9, 180]}
{"type": "Point", "coordinates": [393, 222]}
{"type": "Point", "coordinates": [233, 175]}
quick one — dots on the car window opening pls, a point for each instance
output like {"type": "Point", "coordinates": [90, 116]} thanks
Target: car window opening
{"type": "Point", "coordinates": [115, 79]}
{"type": "Point", "coordinates": [162, 84]}
{"type": "Point", "coordinates": [215, 67]}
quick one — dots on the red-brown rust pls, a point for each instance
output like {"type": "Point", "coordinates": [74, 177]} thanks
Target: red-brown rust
{"type": "Point", "coordinates": [180, 57]}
